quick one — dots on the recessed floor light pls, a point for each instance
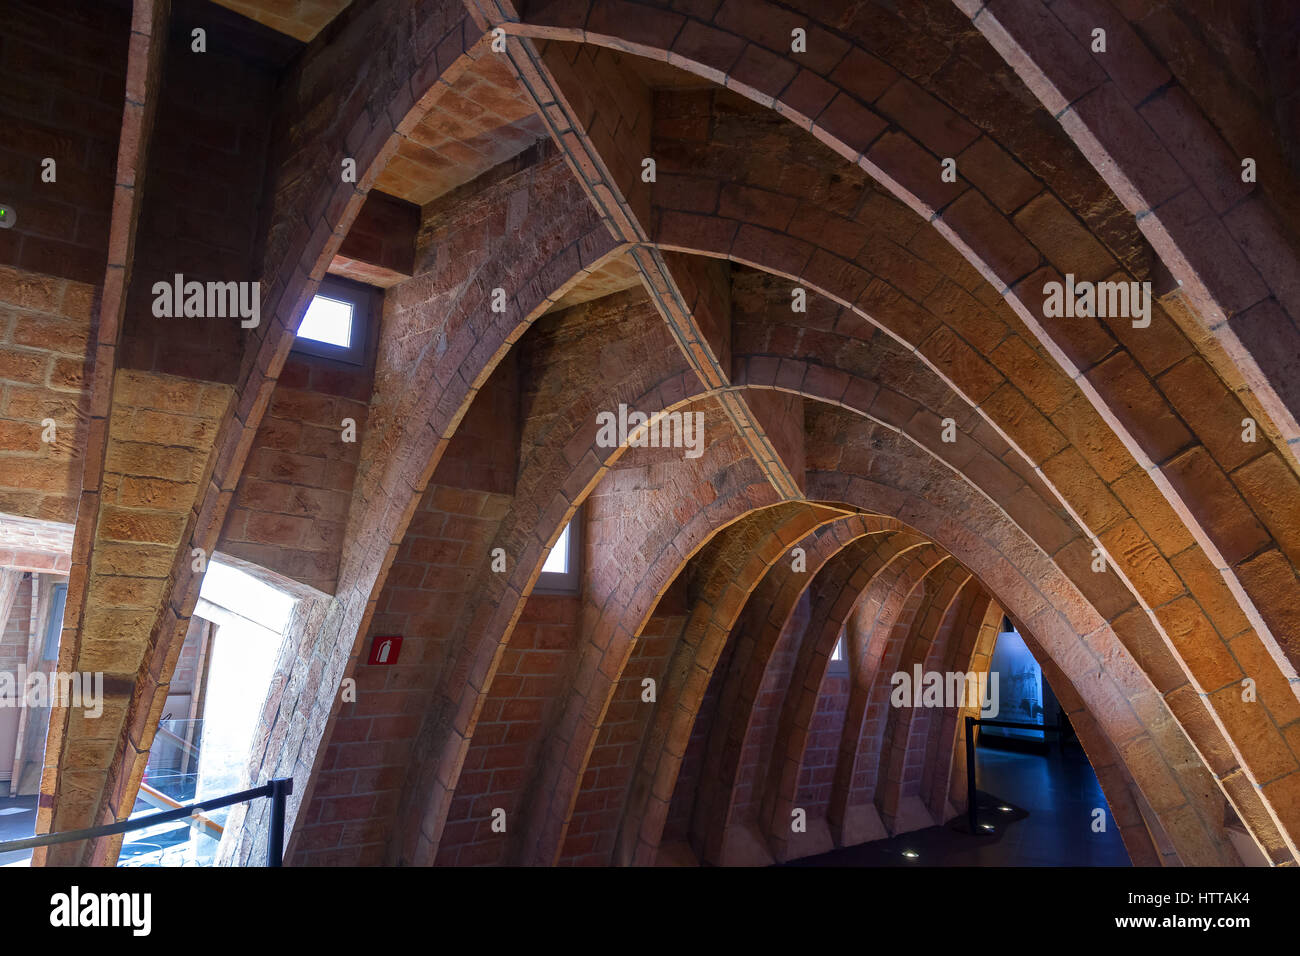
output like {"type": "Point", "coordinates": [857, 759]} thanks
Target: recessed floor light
{"type": "Point", "coordinates": [911, 854]}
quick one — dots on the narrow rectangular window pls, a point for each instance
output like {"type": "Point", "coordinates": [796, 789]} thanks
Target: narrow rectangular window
{"type": "Point", "coordinates": [334, 325]}
{"type": "Point", "coordinates": [560, 569]}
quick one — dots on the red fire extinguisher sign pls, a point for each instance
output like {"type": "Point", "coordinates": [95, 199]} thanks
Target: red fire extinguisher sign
{"type": "Point", "coordinates": [384, 650]}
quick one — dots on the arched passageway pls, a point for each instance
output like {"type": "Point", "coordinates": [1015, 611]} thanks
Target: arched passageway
{"type": "Point", "coordinates": [711, 366]}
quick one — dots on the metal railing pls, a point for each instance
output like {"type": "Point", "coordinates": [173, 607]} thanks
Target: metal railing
{"type": "Point", "coordinates": [276, 790]}
{"type": "Point", "coordinates": [972, 810]}
{"type": "Point", "coordinates": [161, 801]}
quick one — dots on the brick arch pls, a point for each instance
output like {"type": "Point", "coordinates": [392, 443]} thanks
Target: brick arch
{"type": "Point", "coordinates": [1195, 458]}
{"type": "Point", "coordinates": [719, 582]}
{"type": "Point", "coordinates": [801, 381]}
{"type": "Point", "coordinates": [616, 607]}
{"type": "Point", "coordinates": [843, 583]}
{"type": "Point", "coordinates": [694, 658]}
{"type": "Point", "coordinates": [1115, 396]}
{"type": "Point", "coordinates": [1127, 370]}
{"type": "Point", "coordinates": [840, 92]}
{"type": "Point", "coordinates": [1128, 595]}
{"type": "Point", "coordinates": [1173, 439]}
{"type": "Point", "coordinates": [301, 239]}
{"type": "Point", "coordinates": [968, 649]}
{"type": "Point", "coordinates": [740, 741]}
{"type": "Point", "coordinates": [785, 521]}
{"type": "Point", "coordinates": [836, 498]}
{"type": "Point", "coordinates": [898, 793]}
{"type": "Point", "coordinates": [1146, 641]}
{"type": "Point", "coordinates": [1109, 783]}
{"type": "Point", "coordinates": [885, 615]}
{"type": "Point", "coordinates": [558, 243]}
{"type": "Point", "coordinates": [1156, 602]}
{"type": "Point", "coordinates": [1159, 756]}
{"type": "Point", "coordinates": [558, 469]}
{"type": "Point", "coordinates": [1222, 238]}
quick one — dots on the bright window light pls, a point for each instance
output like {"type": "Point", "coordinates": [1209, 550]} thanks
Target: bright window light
{"type": "Point", "coordinates": [838, 653]}
{"type": "Point", "coordinates": [327, 320]}
{"type": "Point", "coordinates": [251, 618]}
{"type": "Point", "coordinates": [557, 562]}
{"type": "Point", "coordinates": [246, 596]}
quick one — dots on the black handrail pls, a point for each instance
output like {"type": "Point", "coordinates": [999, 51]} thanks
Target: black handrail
{"type": "Point", "coordinates": [278, 790]}
{"type": "Point", "coordinates": [972, 817]}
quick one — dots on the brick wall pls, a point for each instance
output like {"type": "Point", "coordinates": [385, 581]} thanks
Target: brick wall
{"type": "Point", "coordinates": [62, 70]}
{"type": "Point", "coordinates": [483, 455]}
{"type": "Point", "coordinates": [203, 191]}
{"type": "Point", "coordinates": [754, 764]}
{"type": "Point", "coordinates": [13, 638]}
{"type": "Point", "coordinates": [821, 754]}
{"type": "Point", "coordinates": [291, 506]}
{"type": "Point", "coordinates": [45, 346]}
{"type": "Point", "coordinates": [600, 804]}
{"type": "Point", "coordinates": [507, 738]}
{"type": "Point", "coordinates": [370, 751]}
{"type": "Point", "coordinates": [689, 777]}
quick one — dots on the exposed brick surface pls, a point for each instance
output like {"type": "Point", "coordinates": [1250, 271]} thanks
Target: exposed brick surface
{"type": "Point", "coordinates": [916, 451]}
{"type": "Point", "coordinates": [64, 67]}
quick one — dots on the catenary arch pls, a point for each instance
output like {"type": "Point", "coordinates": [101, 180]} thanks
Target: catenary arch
{"type": "Point", "coordinates": [719, 601]}
{"type": "Point", "coordinates": [934, 650]}
{"type": "Point", "coordinates": [1031, 588]}
{"type": "Point", "coordinates": [572, 710]}
{"type": "Point", "coordinates": [988, 353]}
{"type": "Point", "coordinates": [459, 345]}
{"type": "Point", "coordinates": [614, 612]}
{"type": "Point", "coordinates": [740, 738]}
{"type": "Point", "coordinates": [1153, 608]}
{"type": "Point", "coordinates": [719, 582]}
{"type": "Point", "coordinates": [1161, 589]}
{"type": "Point", "coordinates": [843, 583]}
{"type": "Point", "coordinates": [831, 384]}
{"type": "Point", "coordinates": [837, 396]}
{"type": "Point", "coordinates": [895, 789]}
{"type": "Point", "coordinates": [885, 648]}
{"type": "Point", "coordinates": [816, 97]}
{"type": "Point", "coordinates": [922, 740]}
{"type": "Point", "coordinates": [1118, 789]}
{"type": "Point", "coordinates": [1129, 801]}
{"type": "Point", "coordinates": [1239, 536]}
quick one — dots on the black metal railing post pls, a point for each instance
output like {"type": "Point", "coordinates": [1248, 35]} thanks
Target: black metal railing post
{"type": "Point", "coordinates": [278, 790]}
{"type": "Point", "coordinates": [281, 787]}
{"type": "Point", "coordinates": [971, 812]}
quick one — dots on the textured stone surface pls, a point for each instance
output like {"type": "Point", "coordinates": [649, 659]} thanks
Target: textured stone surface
{"type": "Point", "coordinates": [865, 345]}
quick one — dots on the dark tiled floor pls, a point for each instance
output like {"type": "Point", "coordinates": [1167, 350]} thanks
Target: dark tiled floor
{"type": "Point", "coordinates": [1050, 824]}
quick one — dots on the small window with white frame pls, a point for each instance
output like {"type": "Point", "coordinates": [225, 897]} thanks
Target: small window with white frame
{"type": "Point", "coordinates": [560, 569]}
{"type": "Point", "coordinates": [839, 657]}
{"type": "Point", "coordinates": [334, 325]}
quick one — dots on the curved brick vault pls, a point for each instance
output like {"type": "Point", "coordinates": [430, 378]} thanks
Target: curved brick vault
{"type": "Point", "coordinates": [915, 452]}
